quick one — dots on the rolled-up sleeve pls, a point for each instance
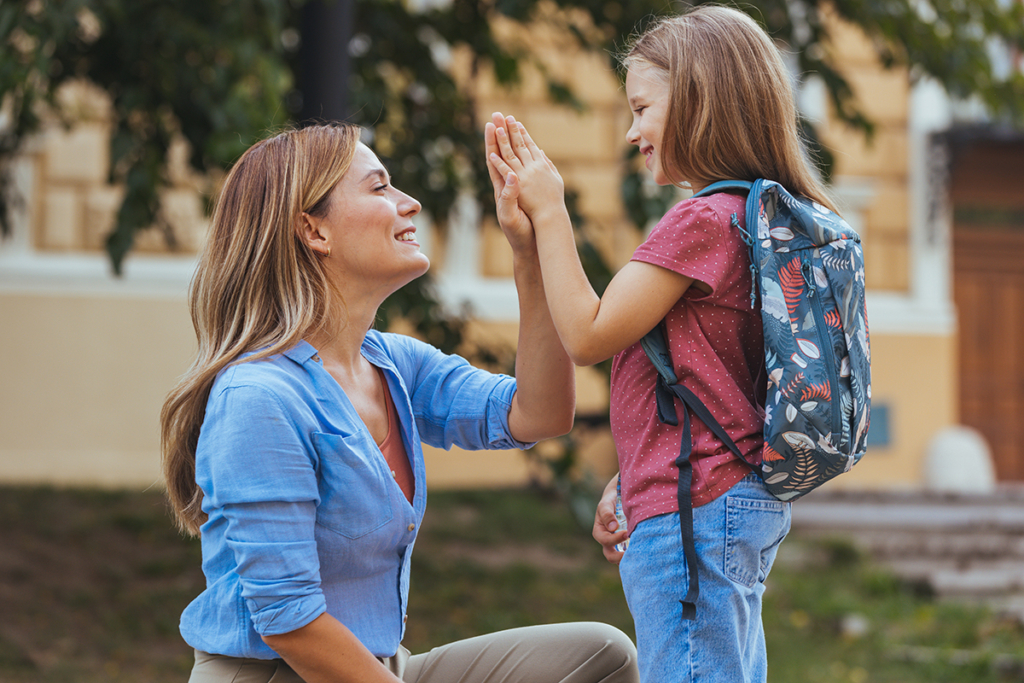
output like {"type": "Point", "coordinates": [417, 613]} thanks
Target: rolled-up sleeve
{"type": "Point", "coordinates": [457, 404]}
{"type": "Point", "coordinates": [254, 464]}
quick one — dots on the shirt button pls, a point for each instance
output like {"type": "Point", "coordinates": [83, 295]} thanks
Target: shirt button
{"type": "Point", "coordinates": [411, 527]}
{"type": "Point", "coordinates": [405, 618]}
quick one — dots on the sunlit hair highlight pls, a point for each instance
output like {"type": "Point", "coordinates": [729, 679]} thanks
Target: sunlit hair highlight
{"type": "Point", "coordinates": [258, 287]}
{"type": "Point", "coordinates": [732, 114]}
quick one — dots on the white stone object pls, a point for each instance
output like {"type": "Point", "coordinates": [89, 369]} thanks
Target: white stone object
{"type": "Point", "coordinates": [959, 460]}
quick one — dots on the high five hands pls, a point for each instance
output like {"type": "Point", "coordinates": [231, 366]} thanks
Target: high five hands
{"type": "Point", "coordinates": [526, 183]}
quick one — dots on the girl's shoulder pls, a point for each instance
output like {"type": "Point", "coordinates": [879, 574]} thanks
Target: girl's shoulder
{"type": "Point", "coordinates": [712, 214]}
{"type": "Point", "coordinates": [718, 206]}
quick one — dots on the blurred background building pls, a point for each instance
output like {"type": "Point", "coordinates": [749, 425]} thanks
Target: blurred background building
{"type": "Point", "coordinates": [86, 358]}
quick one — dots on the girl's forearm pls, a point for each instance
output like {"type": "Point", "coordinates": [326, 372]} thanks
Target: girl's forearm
{"type": "Point", "coordinates": [572, 300]}
{"type": "Point", "coordinates": [594, 328]}
{"type": "Point", "coordinates": [545, 402]}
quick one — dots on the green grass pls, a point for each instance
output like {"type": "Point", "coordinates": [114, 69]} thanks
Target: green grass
{"type": "Point", "coordinates": [92, 584]}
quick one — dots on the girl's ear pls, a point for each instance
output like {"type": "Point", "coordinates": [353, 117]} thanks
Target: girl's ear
{"type": "Point", "coordinates": [308, 229]}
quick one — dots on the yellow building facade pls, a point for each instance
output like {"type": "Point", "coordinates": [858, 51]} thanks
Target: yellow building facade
{"type": "Point", "coordinates": [86, 359]}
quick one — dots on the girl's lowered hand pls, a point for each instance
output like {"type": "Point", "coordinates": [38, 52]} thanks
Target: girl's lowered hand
{"type": "Point", "coordinates": [606, 528]}
{"type": "Point", "coordinates": [513, 221]}
{"type": "Point", "coordinates": [541, 186]}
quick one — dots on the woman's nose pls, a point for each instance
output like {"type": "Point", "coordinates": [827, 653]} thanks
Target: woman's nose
{"type": "Point", "coordinates": [407, 206]}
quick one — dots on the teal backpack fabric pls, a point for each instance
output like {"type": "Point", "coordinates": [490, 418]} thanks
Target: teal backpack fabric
{"type": "Point", "coordinates": [808, 272]}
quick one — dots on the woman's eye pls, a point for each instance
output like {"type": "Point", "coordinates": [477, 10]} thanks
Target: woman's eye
{"type": "Point", "coordinates": [380, 187]}
{"type": "Point", "coordinates": [639, 110]}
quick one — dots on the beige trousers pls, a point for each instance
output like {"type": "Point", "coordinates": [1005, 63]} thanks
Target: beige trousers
{"type": "Point", "coordinates": [584, 652]}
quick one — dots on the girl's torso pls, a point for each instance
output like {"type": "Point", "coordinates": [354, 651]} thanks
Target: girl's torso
{"type": "Point", "coordinates": [717, 347]}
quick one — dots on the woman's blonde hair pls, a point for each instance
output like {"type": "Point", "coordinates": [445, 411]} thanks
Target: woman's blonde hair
{"type": "Point", "coordinates": [732, 114]}
{"type": "Point", "coordinates": [258, 286]}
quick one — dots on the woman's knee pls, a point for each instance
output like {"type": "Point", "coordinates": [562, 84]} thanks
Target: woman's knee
{"type": "Point", "coordinates": [612, 652]}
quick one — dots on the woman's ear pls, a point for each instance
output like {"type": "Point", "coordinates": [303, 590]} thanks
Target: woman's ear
{"type": "Point", "coordinates": [308, 229]}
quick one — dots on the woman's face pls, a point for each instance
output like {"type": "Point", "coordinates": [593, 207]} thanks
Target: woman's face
{"type": "Point", "coordinates": [371, 233]}
{"type": "Point", "coordinates": [647, 92]}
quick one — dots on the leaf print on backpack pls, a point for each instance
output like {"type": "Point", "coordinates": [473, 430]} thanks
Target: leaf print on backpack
{"type": "Point", "coordinates": [791, 281]}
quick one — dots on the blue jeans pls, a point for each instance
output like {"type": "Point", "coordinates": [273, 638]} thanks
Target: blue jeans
{"type": "Point", "coordinates": [737, 536]}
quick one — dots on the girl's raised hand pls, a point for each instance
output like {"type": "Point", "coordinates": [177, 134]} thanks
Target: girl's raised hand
{"type": "Point", "coordinates": [540, 185]}
{"type": "Point", "coordinates": [513, 221]}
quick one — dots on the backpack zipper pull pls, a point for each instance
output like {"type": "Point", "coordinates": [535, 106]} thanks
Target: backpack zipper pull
{"type": "Point", "coordinates": [747, 239]}
{"type": "Point", "coordinates": [805, 268]}
{"type": "Point", "coordinates": [753, 286]}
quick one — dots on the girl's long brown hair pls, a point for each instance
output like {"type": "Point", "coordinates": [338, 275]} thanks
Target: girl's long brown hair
{"type": "Point", "coordinates": [732, 114]}
{"type": "Point", "coordinates": [258, 287]}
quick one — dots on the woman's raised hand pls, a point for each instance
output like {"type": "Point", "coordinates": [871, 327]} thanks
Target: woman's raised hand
{"type": "Point", "coordinates": [513, 220]}
{"type": "Point", "coordinates": [540, 185]}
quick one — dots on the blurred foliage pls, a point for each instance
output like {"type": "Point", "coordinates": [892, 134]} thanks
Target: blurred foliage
{"type": "Point", "coordinates": [221, 73]}
{"type": "Point", "coordinates": [212, 71]}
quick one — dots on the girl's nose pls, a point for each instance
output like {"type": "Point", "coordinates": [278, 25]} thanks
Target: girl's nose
{"type": "Point", "coordinates": [632, 136]}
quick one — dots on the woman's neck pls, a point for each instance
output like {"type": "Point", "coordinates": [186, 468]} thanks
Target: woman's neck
{"type": "Point", "coordinates": [340, 345]}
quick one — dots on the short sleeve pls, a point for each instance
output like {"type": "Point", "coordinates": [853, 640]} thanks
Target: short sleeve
{"type": "Point", "coordinates": [690, 240]}
{"type": "Point", "coordinates": [254, 465]}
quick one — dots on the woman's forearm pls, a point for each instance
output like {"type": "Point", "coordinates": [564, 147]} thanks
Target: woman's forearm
{"type": "Point", "coordinates": [325, 651]}
{"type": "Point", "coordinates": [545, 402]}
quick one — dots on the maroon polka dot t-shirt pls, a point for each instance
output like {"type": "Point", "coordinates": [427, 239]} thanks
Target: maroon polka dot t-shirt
{"type": "Point", "coordinates": [717, 347]}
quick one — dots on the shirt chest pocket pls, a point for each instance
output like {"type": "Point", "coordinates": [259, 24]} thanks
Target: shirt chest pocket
{"type": "Point", "coordinates": [354, 496]}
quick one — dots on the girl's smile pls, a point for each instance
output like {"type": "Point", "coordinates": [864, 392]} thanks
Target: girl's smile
{"type": "Point", "coordinates": [647, 92]}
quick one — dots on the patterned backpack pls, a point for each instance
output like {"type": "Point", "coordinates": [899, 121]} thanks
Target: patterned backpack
{"type": "Point", "coordinates": [808, 266]}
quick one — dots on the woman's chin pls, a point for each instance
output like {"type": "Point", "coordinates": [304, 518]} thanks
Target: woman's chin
{"type": "Point", "coordinates": [420, 272]}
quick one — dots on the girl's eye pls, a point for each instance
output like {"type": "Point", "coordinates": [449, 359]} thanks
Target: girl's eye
{"type": "Point", "coordinates": [380, 187]}
{"type": "Point", "coordinates": [639, 110]}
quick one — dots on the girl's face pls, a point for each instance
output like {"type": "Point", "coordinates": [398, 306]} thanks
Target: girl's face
{"type": "Point", "coordinates": [372, 234]}
{"type": "Point", "coordinates": [647, 92]}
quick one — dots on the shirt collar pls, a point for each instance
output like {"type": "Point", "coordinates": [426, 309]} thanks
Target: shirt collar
{"type": "Point", "coordinates": [301, 352]}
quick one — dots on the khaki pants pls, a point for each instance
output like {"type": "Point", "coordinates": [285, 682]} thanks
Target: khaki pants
{"type": "Point", "coordinates": [584, 652]}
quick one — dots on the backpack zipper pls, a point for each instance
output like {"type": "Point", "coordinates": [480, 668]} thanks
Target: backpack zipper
{"type": "Point", "coordinates": [826, 343]}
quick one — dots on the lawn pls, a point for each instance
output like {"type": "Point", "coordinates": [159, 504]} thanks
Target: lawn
{"type": "Point", "coordinates": [92, 583]}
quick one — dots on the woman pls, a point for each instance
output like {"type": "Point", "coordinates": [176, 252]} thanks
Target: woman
{"type": "Point", "coordinates": [292, 446]}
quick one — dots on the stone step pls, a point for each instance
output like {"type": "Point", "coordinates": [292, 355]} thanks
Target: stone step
{"type": "Point", "coordinates": [965, 547]}
{"type": "Point", "coordinates": [960, 517]}
{"type": "Point", "coordinates": [935, 543]}
{"type": "Point", "coordinates": [1002, 512]}
{"type": "Point", "coordinates": [952, 578]}
{"type": "Point", "coordinates": [981, 581]}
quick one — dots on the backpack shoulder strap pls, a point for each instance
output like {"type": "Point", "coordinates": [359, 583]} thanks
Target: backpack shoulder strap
{"type": "Point", "coordinates": [668, 387]}
{"type": "Point", "coordinates": [724, 185]}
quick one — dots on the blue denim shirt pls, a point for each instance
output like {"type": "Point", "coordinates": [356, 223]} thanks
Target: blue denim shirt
{"type": "Point", "coordinates": [304, 515]}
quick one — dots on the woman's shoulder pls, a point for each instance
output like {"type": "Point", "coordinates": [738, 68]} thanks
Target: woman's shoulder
{"type": "Point", "coordinates": [396, 347]}
{"type": "Point", "coordinates": [280, 375]}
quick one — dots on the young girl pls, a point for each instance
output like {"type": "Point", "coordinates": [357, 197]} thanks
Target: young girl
{"type": "Point", "coordinates": [711, 100]}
